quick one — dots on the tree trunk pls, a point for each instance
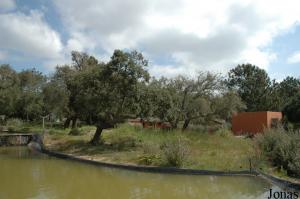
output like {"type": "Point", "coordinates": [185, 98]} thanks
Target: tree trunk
{"type": "Point", "coordinates": [185, 125]}
{"type": "Point", "coordinates": [96, 138]}
{"type": "Point", "coordinates": [67, 123]}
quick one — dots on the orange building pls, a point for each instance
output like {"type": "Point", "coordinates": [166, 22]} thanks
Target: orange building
{"type": "Point", "coordinates": [254, 122]}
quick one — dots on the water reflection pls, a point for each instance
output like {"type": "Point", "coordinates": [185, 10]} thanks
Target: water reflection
{"type": "Point", "coordinates": [26, 175]}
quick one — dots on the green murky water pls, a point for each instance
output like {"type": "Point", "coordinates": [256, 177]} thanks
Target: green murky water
{"type": "Point", "coordinates": [27, 175]}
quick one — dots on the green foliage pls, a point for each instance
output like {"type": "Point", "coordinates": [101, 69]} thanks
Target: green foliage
{"type": "Point", "coordinates": [120, 141]}
{"type": "Point", "coordinates": [14, 124]}
{"type": "Point", "coordinates": [55, 98]}
{"type": "Point", "coordinates": [224, 132]}
{"type": "Point", "coordinates": [75, 131]}
{"type": "Point", "coordinates": [227, 104]}
{"type": "Point", "coordinates": [281, 148]}
{"type": "Point", "coordinates": [175, 152]}
{"type": "Point", "coordinates": [294, 166]}
{"type": "Point", "coordinates": [106, 94]}
{"type": "Point", "coordinates": [252, 84]}
{"type": "Point", "coordinates": [292, 109]}
{"type": "Point", "coordinates": [9, 91]}
{"type": "Point", "coordinates": [31, 102]}
{"type": "Point", "coordinates": [149, 159]}
{"type": "Point", "coordinates": [180, 98]}
{"type": "Point", "coordinates": [288, 89]}
{"type": "Point", "coordinates": [151, 154]}
{"type": "Point", "coordinates": [25, 130]}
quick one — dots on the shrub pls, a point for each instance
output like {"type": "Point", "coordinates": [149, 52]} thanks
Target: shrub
{"type": "Point", "coordinates": [294, 166]}
{"type": "Point", "coordinates": [149, 159]}
{"type": "Point", "coordinates": [175, 152]}
{"type": "Point", "coordinates": [294, 163]}
{"type": "Point", "coordinates": [121, 141]}
{"type": "Point", "coordinates": [150, 148]}
{"type": "Point", "coordinates": [224, 132]}
{"type": "Point", "coordinates": [14, 124]}
{"type": "Point", "coordinates": [151, 154]}
{"type": "Point", "coordinates": [75, 131]}
{"type": "Point", "coordinates": [25, 130]}
{"type": "Point", "coordinates": [282, 148]}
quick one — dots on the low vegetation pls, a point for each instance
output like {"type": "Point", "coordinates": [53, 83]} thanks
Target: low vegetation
{"type": "Point", "coordinates": [153, 147]}
{"type": "Point", "coordinates": [282, 149]}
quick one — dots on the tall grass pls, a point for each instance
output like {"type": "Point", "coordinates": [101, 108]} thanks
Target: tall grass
{"type": "Point", "coordinates": [175, 152]}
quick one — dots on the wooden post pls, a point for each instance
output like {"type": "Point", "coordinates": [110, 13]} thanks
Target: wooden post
{"type": "Point", "coordinates": [44, 122]}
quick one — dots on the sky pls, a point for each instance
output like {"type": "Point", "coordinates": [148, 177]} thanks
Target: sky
{"type": "Point", "coordinates": [178, 37]}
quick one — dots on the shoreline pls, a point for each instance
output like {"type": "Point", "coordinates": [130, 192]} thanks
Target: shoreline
{"type": "Point", "coordinates": [282, 183]}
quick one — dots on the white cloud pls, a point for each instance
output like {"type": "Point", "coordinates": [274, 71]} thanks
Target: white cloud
{"type": "Point", "coordinates": [3, 55]}
{"type": "Point", "coordinates": [258, 57]}
{"type": "Point", "coordinates": [178, 36]}
{"type": "Point", "coordinates": [29, 35]}
{"type": "Point", "coordinates": [194, 35]}
{"type": "Point", "coordinates": [294, 58]}
{"type": "Point", "coordinates": [167, 70]}
{"type": "Point", "coordinates": [7, 5]}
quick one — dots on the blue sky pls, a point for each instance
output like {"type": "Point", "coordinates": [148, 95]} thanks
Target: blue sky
{"type": "Point", "coordinates": [177, 36]}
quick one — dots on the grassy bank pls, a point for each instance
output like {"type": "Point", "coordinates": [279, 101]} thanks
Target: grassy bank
{"type": "Point", "coordinates": [195, 149]}
{"type": "Point", "coordinates": [134, 145]}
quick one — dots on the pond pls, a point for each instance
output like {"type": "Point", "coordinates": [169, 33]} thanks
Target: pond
{"type": "Point", "coordinates": [28, 175]}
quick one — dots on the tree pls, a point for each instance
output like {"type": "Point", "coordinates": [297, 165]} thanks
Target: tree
{"type": "Point", "coordinates": [180, 98]}
{"type": "Point", "coordinates": [168, 102]}
{"type": "Point", "coordinates": [31, 103]}
{"type": "Point", "coordinates": [292, 109]}
{"type": "Point", "coordinates": [226, 105]}
{"type": "Point", "coordinates": [252, 84]}
{"type": "Point", "coordinates": [280, 94]}
{"type": "Point", "coordinates": [108, 93]}
{"type": "Point", "coordinates": [55, 99]}
{"type": "Point", "coordinates": [289, 87]}
{"type": "Point", "coordinates": [196, 96]}
{"type": "Point", "coordinates": [66, 77]}
{"type": "Point", "coordinates": [287, 90]}
{"type": "Point", "coordinates": [162, 99]}
{"type": "Point", "coordinates": [148, 99]}
{"type": "Point", "coordinates": [9, 91]}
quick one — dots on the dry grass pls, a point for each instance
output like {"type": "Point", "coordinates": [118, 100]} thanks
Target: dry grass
{"type": "Point", "coordinates": [218, 151]}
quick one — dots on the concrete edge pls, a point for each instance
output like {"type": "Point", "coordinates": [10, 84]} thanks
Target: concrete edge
{"type": "Point", "coordinates": [153, 169]}
{"type": "Point", "coordinates": [284, 184]}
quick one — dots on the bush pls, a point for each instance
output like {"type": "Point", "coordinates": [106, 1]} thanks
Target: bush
{"type": "Point", "coordinates": [175, 152]}
{"type": "Point", "coordinates": [151, 154]}
{"type": "Point", "coordinates": [149, 159]}
{"type": "Point", "coordinates": [224, 132]}
{"type": "Point", "coordinates": [75, 131]}
{"type": "Point", "coordinates": [294, 166]}
{"type": "Point", "coordinates": [282, 148]}
{"type": "Point", "coordinates": [14, 122]}
{"type": "Point", "coordinates": [121, 141]}
{"type": "Point", "coordinates": [25, 130]}
{"type": "Point", "coordinates": [14, 125]}
{"type": "Point", "coordinates": [292, 109]}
